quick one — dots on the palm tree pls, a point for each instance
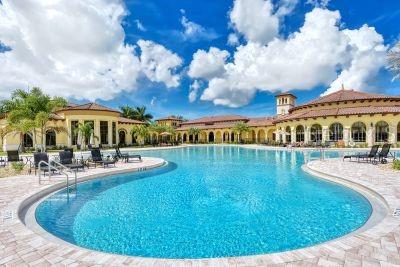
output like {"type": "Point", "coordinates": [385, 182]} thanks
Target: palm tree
{"type": "Point", "coordinates": [139, 113]}
{"type": "Point", "coordinates": [394, 61]}
{"type": "Point", "coordinates": [140, 132]}
{"type": "Point", "coordinates": [127, 112]}
{"type": "Point", "coordinates": [157, 129]}
{"type": "Point", "coordinates": [33, 108]}
{"type": "Point", "coordinates": [239, 128]}
{"type": "Point", "coordinates": [86, 132]}
{"type": "Point", "coordinates": [194, 132]}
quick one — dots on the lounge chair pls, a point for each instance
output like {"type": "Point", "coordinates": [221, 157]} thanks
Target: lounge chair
{"type": "Point", "coordinates": [38, 157]}
{"type": "Point", "coordinates": [98, 159]}
{"type": "Point", "coordinates": [13, 156]}
{"type": "Point", "coordinates": [383, 154]}
{"type": "Point", "coordinates": [66, 159]}
{"type": "Point", "coordinates": [126, 156]}
{"type": "Point", "coordinates": [369, 156]}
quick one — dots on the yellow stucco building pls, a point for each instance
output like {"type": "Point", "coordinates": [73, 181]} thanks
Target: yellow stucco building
{"type": "Point", "coordinates": [343, 118]}
{"type": "Point", "coordinates": [108, 125]}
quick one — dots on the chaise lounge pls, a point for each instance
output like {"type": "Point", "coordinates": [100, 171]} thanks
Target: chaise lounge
{"type": "Point", "coordinates": [98, 159]}
{"type": "Point", "coordinates": [66, 159]}
{"type": "Point", "coordinates": [126, 156]}
{"type": "Point", "coordinates": [369, 156]}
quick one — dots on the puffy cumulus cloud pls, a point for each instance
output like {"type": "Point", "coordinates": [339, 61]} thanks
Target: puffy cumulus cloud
{"type": "Point", "coordinates": [233, 39]}
{"type": "Point", "coordinates": [158, 63]}
{"type": "Point", "coordinates": [209, 64]}
{"type": "Point", "coordinates": [194, 90]}
{"type": "Point", "coordinates": [254, 19]}
{"type": "Point", "coordinates": [318, 3]}
{"type": "Point", "coordinates": [72, 48]}
{"type": "Point", "coordinates": [310, 57]}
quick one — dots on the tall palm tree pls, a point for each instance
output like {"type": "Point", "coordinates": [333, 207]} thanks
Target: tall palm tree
{"type": "Point", "coordinates": [139, 113]}
{"type": "Point", "coordinates": [239, 128]}
{"type": "Point", "coordinates": [32, 108]}
{"type": "Point", "coordinates": [86, 132]}
{"type": "Point", "coordinates": [127, 111]}
{"type": "Point", "coordinates": [194, 131]}
{"type": "Point", "coordinates": [140, 132]}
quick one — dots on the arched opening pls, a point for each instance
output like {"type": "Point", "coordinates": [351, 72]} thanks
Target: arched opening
{"type": "Point", "coordinates": [253, 136]}
{"type": "Point", "coordinates": [261, 136]}
{"type": "Point", "coordinates": [232, 137]}
{"type": "Point", "coordinates": [218, 137]}
{"type": "Point", "coordinates": [191, 138]}
{"type": "Point", "coordinates": [300, 133]}
{"type": "Point", "coordinates": [179, 138]}
{"type": "Point", "coordinates": [51, 138]}
{"type": "Point", "coordinates": [288, 134]}
{"type": "Point", "coordinates": [225, 137]}
{"type": "Point", "coordinates": [381, 131]}
{"type": "Point", "coordinates": [271, 135]}
{"type": "Point", "coordinates": [122, 137]}
{"type": "Point", "coordinates": [336, 132]}
{"type": "Point", "coordinates": [316, 133]}
{"type": "Point", "coordinates": [211, 137]}
{"type": "Point", "coordinates": [196, 138]}
{"type": "Point", "coordinates": [27, 140]}
{"type": "Point", "coordinates": [358, 132]}
{"type": "Point", "coordinates": [134, 139]}
{"type": "Point", "coordinates": [184, 138]}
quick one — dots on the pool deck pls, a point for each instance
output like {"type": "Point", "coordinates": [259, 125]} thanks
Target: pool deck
{"type": "Point", "coordinates": [377, 246]}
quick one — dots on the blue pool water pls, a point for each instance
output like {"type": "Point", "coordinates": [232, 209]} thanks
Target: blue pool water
{"type": "Point", "coordinates": [207, 202]}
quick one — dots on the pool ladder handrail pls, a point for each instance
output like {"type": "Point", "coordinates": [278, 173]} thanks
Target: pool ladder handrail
{"type": "Point", "coordinates": [51, 167]}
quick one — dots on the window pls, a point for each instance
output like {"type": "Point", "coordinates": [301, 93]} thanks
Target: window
{"type": "Point", "coordinates": [288, 135]}
{"type": "Point", "coordinates": [27, 140]}
{"type": "Point", "coordinates": [336, 132]}
{"type": "Point", "coordinates": [398, 132]}
{"type": "Point", "coordinates": [122, 135]}
{"type": "Point", "coordinates": [104, 132]}
{"type": "Point", "coordinates": [114, 133]}
{"type": "Point", "coordinates": [316, 133]}
{"type": "Point", "coordinates": [74, 133]}
{"type": "Point", "coordinates": [300, 133]}
{"type": "Point", "coordinates": [358, 132]}
{"type": "Point", "coordinates": [51, 138]}
{"type": "Point", "coordinates": [382, 131]}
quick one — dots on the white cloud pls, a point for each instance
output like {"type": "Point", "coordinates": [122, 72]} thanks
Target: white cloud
{"type": "Point", "coordinates": [195, 32]}
{"type": "Point", "coordinates": [318, 3]}
{"type": "Point", "coordinates": [140, 26]}
{"type": "Point", "coordinates": [311, 57]}
{"type": "Point", "coordinates": [286, 7]}
{"type": "Point", "coordinates": [153, 101]}
{"type": "Point", "coordinates": [209, 64]}
{"type": "Point", "coordinates": [233, 39]}
{"type": "Point", "coordinates": [73, 48]}
{"type": "Point", "coordinates": [194, 90]}
{"type": "Point", "coordinates": [254, 19]}
{"type": "Point", "coordinates": [158, 63]}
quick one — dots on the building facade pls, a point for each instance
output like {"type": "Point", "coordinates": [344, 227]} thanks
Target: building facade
{"type": "Point", "coordinates": [344, 118]}
{"type": "Point", "coordinates": [109, 128]}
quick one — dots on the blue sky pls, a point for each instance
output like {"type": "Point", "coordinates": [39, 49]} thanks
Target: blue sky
{"type": "Point", "coordinates": [78, 54]}
{"type": "Point", "coordinates": [162, 19]}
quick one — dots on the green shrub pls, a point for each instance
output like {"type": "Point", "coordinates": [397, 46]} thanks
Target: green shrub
{"type": "Point", "coordinates": [17, 166]}
{"type": "Point", "coordinates": [396, 164]}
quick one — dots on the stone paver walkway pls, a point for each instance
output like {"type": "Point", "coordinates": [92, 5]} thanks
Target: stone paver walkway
{"type": "Point", "coordinates": [377, 246]}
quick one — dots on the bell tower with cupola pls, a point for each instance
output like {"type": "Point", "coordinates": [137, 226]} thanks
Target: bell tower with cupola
{"type": "Point", "coordinates": [284, 102]}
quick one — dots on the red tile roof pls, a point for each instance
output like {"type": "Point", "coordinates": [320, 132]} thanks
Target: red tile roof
{"type": "Point", "coordinates": [215, 119]}
{"type": "Point", "coordinates": [89, 106]}
{"type": "Point", "coordinates": [129, 121]}
{"type": "Point", "coordinates": [263, 121]}
{"type": "Point", "coordinates": [347, 95]}
{"type": "Point", "coordinates": [171, 117]}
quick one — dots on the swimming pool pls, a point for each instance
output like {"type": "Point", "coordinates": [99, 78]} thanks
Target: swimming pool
{"type": "Point", "coordinates": [210, 201]}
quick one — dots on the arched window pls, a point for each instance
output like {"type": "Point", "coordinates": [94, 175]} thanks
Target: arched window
{"type": "Point", "coordinates": [336, 132]}
{"type": "Point", "coordinates": [27, 140]}
{"type": "Point", "coordinates": [122, 137]}
{"type": "Point", "coordinates": [211, 137]}
{"type": "Point", "coordinates": [398, 132]}
{"type": "Point", "coordinates": [51, 138]}
{"type": "Point", "coordinates": [300, 133]}
{"type": "Point", "coordinates": [381, 131]}
{"type": "Point", "coordinates": [316, 133]}
{"type": "Point", "coordinates": [184, 137]}
{"type": "Point", "coordinates": [288, 134]}
{"type": "Point", "coordinates": [358, 132]}
{"type": "Point", "coordinates": [232, 137]}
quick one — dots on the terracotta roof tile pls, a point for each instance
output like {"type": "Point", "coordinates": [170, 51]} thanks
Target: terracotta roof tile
{"type": "Point", "coordinates": [171, 117]}
{"type": "Point", "coordinates": [129, 121]}
{"type": "Point", "coordinates": [263, 121]}
{"type": "Point", "coordinates": [214, 119]}
{"type": "Point", "coordinates": [90, 106]}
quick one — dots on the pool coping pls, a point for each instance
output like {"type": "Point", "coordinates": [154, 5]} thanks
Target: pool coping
{"type": "Point", "coordinates": [332, 247]}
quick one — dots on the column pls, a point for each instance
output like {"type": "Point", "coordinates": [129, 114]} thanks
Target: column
{"type": "Point", "coordinates": [109, 128]}
{"type": "Point", "coordinates": [256, 141]}
{"type": "Point", "coordinates": [392, 134]}
{"type": "Point", "coordinates": [325, 134]}
{"type": "Point", "coordinates": [306, 134]}
{"type": "Point", "coordinates": [346, 135]}
{"type": "Point", "coordinates": [283, 136]}
{"type": "Point", "coordinates": [370, 135]}
{"type": "Point", "coordinates": [69, 133]}
{"type": "Point", "coordinates": [293, 134]}
{"type": "Point", "coordinates": [96, 132]}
